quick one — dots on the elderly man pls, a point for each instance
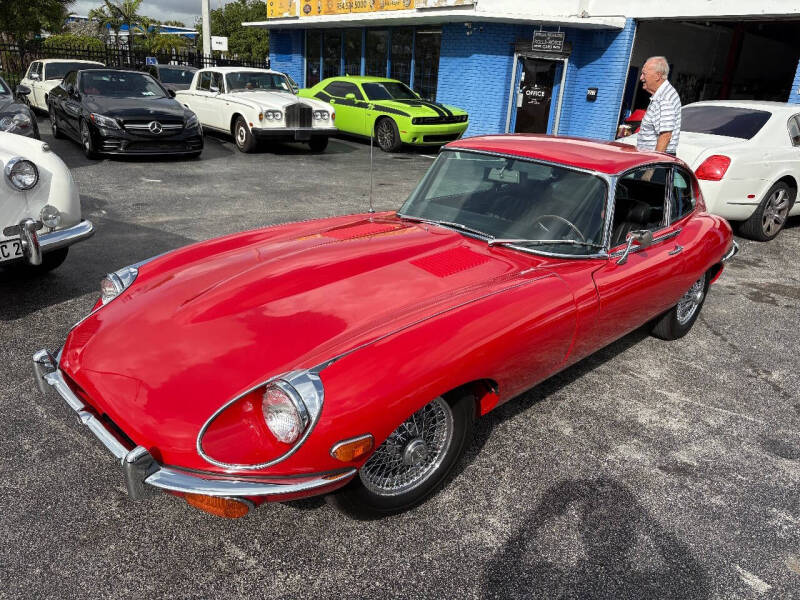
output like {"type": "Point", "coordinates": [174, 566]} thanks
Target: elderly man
{"type": "Point", "coordinates": [661, 125]}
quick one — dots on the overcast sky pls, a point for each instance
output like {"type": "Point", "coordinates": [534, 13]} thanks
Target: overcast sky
{"type": "Point", "coordinates": [163, 10]}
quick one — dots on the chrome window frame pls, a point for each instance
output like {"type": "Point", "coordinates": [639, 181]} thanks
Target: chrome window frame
{"type": "Point", "coordinates": [796, 119]}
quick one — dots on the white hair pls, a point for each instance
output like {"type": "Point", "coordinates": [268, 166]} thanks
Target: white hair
{"type": "Point", "coordinates": [660, 65]}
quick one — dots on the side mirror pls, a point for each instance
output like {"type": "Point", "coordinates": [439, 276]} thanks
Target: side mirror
{"type": "Point", "coordinates": [23, 90]}
{"type": "Point", "coordinates": [171, 93]}
{"type": "Point", "coordinates": [642, 237]}
{"type": "Point", "coordinates": [350, 96]}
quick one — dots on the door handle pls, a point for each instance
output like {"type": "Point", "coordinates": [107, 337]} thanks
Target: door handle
{"type": "Point", "coordinates": [677, 250]}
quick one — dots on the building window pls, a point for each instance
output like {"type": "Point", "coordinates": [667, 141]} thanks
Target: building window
{"type": "Point", "coordinates": [332, 54]}
{"type": "Point", "coordinates": [377, 43]}
{"type": "Point", "coordinates": [426, 62]}
{"type": "Point", "coordinates": [352, 52]}
{"type": "Point", "coordinates": [402, 46]}
{"type": "Point", "coordinates": [313, 43]}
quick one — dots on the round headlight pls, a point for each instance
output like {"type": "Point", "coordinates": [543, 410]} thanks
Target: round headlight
{"type": "Point", "coordinates": [21, 173]}
{"type": "Point", "coordinates": [285, 414]}
{"type": "Point", "coordinates": [50, 216]}
{"type": "Point", "coordinates": [269, 116]}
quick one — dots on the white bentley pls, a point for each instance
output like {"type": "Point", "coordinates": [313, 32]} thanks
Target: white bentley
{"type": "Point", "coordinates": [257, 104]}
{"type": "Point", "coordinates": [746, 155]}
{"type": "Point", "coordinates": [40, 209]}
{"type": "Point", "coordinates": [43, 75]}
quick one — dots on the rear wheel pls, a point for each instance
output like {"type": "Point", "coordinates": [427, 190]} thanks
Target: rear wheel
{"type": "Point", "coordinates": [387, 135]}
{"type": "Point", "coordinates": [677, 321]}
{"type": "Point", "coordinates": [768, 219]}
{"type": "Point", "coordinates": [413, 461]}
{"type": "Point", "coordinates": [245, 141]}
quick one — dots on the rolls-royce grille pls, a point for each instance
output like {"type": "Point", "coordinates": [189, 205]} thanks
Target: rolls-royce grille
{"type": "Point", "coordinates": [298, 115]}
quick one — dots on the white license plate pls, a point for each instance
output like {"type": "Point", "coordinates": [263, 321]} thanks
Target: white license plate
{"type": "Point", "coordinates": [10, 249]}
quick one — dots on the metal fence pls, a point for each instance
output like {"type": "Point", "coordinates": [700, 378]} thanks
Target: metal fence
{"type": "Point", "coordinates": [15, 58]}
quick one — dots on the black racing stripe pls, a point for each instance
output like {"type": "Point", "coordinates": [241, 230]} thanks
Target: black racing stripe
{"type": "Point", "coordinates": [440, 109]}
{"type": "Point", "coordinates": [389, 111]}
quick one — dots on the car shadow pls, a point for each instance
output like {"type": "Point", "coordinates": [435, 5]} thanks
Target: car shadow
{"type": "Point", "coordinates": [592, 538]}
{"type": "Point", "coordinates": [405, 151]}
{"type": "Point", "coordinates": [284, 148]}
{"type": "Point", "coordinates": [114, 245]}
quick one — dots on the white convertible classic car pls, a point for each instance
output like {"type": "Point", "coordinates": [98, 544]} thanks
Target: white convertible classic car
{"type": "Point", "coordinates": [257, 104]}
{"type": "Point", "coordinates": [40, 209]}
{"type": "Point", "coordinates": [43, 75]}
{"type": "Point", "coordinates": [746, 155]}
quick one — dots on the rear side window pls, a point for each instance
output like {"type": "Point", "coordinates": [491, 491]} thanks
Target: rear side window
{"type": "Point", "coordinates": [794, 130]}
{"type": "Point", "coordinates": [730, 121]}
{"type": "Point", "coordinates": [683, 199]}
{"type": "Point", "coordinates": [340, 89]}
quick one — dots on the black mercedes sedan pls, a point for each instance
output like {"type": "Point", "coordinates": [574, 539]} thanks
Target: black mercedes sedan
{"type": "Point", "coordinates": [15, 115]}
{"type": "Point", "coordinates": [122, 112]}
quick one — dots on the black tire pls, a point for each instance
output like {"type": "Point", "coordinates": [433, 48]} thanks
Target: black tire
{"type": "Point", "coordinates": [54, 124]}
{"type": "Point", "coordinates": [364, 498]}
{"type": "Point", "coordinates": [387, 135]}
{"type": "Point", "coordinates": [194, 155]}
{"type": "Point", "coordinates": [770, 216]}
{"type": "Point", "coordinates": [678, 320]}
{"type": "Point", "coordinates": [87, 140]}
{"type": "Point", "coordinates": [242, 137]}
{"type": "Point", "coordinates": [318, 143]}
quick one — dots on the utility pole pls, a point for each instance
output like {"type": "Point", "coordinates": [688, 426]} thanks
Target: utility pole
{"type": "Point", "coordinates": [206, 28]}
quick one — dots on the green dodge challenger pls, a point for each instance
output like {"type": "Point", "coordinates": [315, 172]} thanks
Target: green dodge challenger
{"type": "Point", "coordinates": [389, 110]}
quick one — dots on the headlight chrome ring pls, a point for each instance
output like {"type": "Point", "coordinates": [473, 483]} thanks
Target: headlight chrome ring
{"type": "Point", "coordinates": [21, 173]}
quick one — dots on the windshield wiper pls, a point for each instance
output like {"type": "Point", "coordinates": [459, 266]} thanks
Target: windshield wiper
{"type": "Point", "coordinates": [525, 242]}
{"type": "Point", "coordinates": [447, 224]}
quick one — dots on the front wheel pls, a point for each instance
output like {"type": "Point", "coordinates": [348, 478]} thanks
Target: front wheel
{"type": "Point", "coordinates": [412, 462]}
{"type": "Point", "coordinates": [387, 135]}
{"type": "Point", "coordinates": [245, 141]}
{"type": "Point", "coordinates": [318, 144]}
{"type": "Point", "coordinates": [677, 321]}
{"type": "Point", "coordinates": [87, 141]}
{"type": "Point", "coordinates": [768, 219]}
{"type": "Point", "coordinates": [54, 124]}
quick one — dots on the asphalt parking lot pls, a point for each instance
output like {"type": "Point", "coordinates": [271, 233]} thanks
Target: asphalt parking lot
{"type": "Point", "coordinates": [650, 470]}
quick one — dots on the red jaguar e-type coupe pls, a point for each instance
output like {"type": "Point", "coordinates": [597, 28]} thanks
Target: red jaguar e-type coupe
{"type": "Point", "coordinates": [350, 356]}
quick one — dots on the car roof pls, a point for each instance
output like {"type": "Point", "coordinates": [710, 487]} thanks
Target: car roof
{"type": "Point", "coordinates": [239, 70]}
{"type": "Point", "coordinates": [775, 107]}
{"type": "Point", "coordinates": [184, 67]}
{"type": "Point", "coordinates": [358, 79]}
{"type": "Point", "coordinates": [67, 60]}
{"type": "Point", "coordinates": [595, 155]}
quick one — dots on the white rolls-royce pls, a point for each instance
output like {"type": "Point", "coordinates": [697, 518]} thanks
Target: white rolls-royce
{"type": "Point", "coordinates": [40, 209]}
{"type": "Point", "coordinates": [43, 75]}
{"type": "Point", "coordinates": [257, 104]}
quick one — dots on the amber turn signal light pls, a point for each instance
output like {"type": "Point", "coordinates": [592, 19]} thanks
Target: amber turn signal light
{"type": "Point", "coordinates": [231, 508]}
{"type": "Point", "coordinates": [353, 449]}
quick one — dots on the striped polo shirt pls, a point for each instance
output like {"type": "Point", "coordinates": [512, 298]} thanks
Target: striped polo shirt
{"type": "Point", "coordinates": [663, 114]}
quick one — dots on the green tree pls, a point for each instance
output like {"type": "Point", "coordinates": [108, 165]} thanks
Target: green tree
{"type": "Point", "coordinates": [106, 21]}
{"type": "Point", "coordinates": [75, 41]}
{"type": "Point", "coordinates": [175, 23]}
{"type": "Point", "coordinates": [126, 11]}
{"type": "Point", "coordinates": [20, 20]}
{"type": "Point", "coordinates": [248, 43]}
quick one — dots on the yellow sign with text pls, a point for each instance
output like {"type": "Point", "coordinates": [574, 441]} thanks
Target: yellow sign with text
{"type": "Point", "coordinates": [315, 8]}
{"type": "Point", "coordinates": [277, 9]}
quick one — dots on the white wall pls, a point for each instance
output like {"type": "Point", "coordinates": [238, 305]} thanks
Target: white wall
{"type": "Point", "coordinates": [653, 9]}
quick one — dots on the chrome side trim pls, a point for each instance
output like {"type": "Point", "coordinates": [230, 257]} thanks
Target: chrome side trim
{"type": "Point", "coordinates": [139, 467]}
{"type": "Point", "coordinates": [731, 253]}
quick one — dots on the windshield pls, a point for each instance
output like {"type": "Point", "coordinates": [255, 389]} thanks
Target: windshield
{"type": "Point", "coordinates": [730, 121]}
{"type": "Point", "coordinates": [544, 207]}
{"type": "Point", "coordinates": [58, 70]}
{"type": "Point", "coordinates": [388, 90]}
{"type": "Point", "coordinates": [253, 80]}
{"type": "Point", "coordinates": [168, 75]}
{"type": "Point", "coordinates": [120, 84]}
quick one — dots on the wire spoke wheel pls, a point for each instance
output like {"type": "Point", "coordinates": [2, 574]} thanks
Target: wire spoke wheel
{"type": "Point", "coordinates": [412, 453]}
{"type": "Point", "coordinates": [691, 301]}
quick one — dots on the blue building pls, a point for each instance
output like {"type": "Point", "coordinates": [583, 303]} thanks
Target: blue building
{"type": "Point", "coordinates": [567, 68]}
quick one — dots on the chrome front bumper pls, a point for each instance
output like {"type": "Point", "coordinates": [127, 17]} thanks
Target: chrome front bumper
{"type": "Point", "coordinates": [34, 244]}
{"type": "Point", "coordinates": [731, 253]}
{"type": "Point", "coordinates": [143, 474]}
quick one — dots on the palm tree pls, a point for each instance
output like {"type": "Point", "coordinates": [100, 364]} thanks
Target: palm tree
{"type": "Point", "coordinates": [126, 11]}
{"type": "Point", "coordinates": [105, 21]}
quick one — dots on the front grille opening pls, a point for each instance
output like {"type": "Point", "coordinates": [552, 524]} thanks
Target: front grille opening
{"type": "Point", "coordinates": [298, 115]}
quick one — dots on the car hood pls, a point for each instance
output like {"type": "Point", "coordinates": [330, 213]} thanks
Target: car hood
{"type": "Point", "coordinates": [135, 108]}
{"type": "Point", "coordinates": [9, 105]}
{"type": "Point", "coordinates": [274, 100]}
{"type": "Point", "coordinates": [422, 108]}
{"type": "Point", "coordinates": [225, 315]}
{"type": "Point", "coordinates": [694, 147]}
